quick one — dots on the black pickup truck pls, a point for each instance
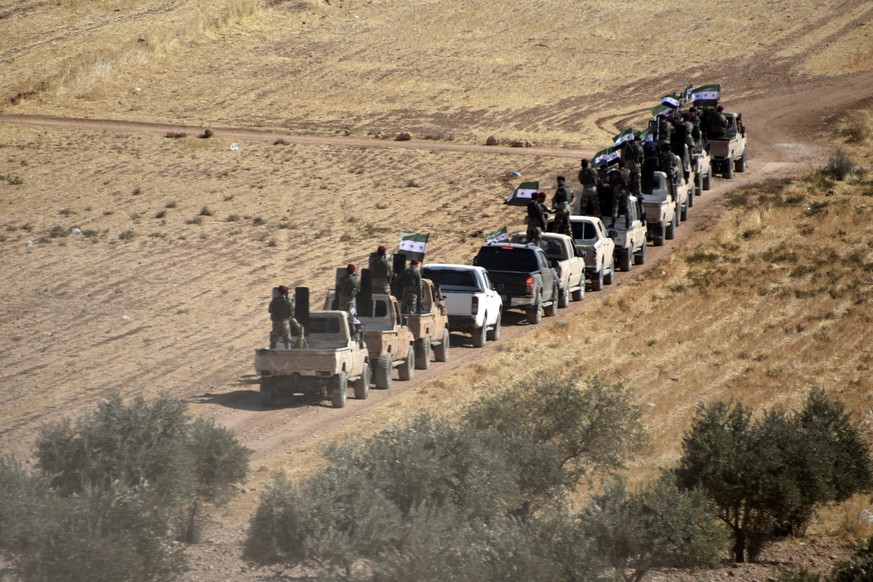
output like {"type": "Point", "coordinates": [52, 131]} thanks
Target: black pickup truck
{"type": "Point", "coordinates": [523, 277]}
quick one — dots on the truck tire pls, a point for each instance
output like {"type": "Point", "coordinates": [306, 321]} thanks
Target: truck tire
{"type": "Point", "coordinates": [670, 230]}
{"type": "Point", "coordinates": [728, 169]}
{"type": "Point", "coordinates": [579, 294]}
{"type": "Point", "coordinates": [658, 239]}
{"type": "Point", "coordinates": [625, 260]}
{"type": "Point", "coordinates": [564, 299]}
{"type": "Point", "coordinates": [552, 309]}
{"type": "Point", "coordinates": [597, 281]}
{"type": "Point", "coordinates": [494, 333]}
{"type": "Point", "coordinates": [268, 391]}
{"type": "Point", "coordinates": [683, 214]}
{"type": "Point", "coordinates": [479, 334]}
{"type": "Point", "coordinates": [422, 353]}
{"type": "Point", "coordinates": [640, 257]}
{"type": "Point", "coordinates": [707, 179]}
{"type": "Point", "coordinates": [691, 198]}
{"type": "Point", "coordinates": [339, 390]}
{"type": "Point", "coordinates": [382, 371]}
{"type": "Point", "coordinates": [406, 371]}
{"type": "Point", "coordinates": [535, 312]}
{"type": "Point", "coordinates": [743, 162]}
{"type": "Point", "coordinates": [609, 276]}
{"type": "Point", "coordinates": [441, 352]}
{"type": "Point", "coordinates": [362, 384]}
{"type": "Point", "coordinates": [698, 184]}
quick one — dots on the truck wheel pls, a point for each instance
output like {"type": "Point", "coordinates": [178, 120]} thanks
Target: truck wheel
{"type": "Point", "coordinates": [625, 261]}
{"type": "Point", "coordinates": [535, 313]}
{"type": "Point", "coordinates": [268, 391]}
{"type": "Point", "coordinates": [691, 198]}
{"type": "Point", "coordinates": [479, 334]}
{"type": "Point", "coordinates": [640, 257]}
{"type": "Point", "coordinates": [564, 300]}
{"type": "Point", "coordinates": [658, 239]}
{"type": "Point", "coordinates": [707, 179]}
{"type": "Point", "coordinates": [597, 281]}
{"type": "Point", "coordinates": [494, 333]}
{"type": "Point", "coordinates": [579, 294]}
{"type": "Point", "coordinates": [609, 277]}
{"type": "Point", "coordinates": [743, 162]}
{"type": "Point", "coordinates": [683, 214]}
{"type": "Point", "coordinates": [382, 371]}
{"type": "Point", "coordinates": [362, 384]}
{"type": "Point", "coordinates": [441, 352]}
{"type": "Point", "coordinates": [670, 232]}
{"type": "Point", "coordinates": [728, 169]}
{"type": "Point", "coordinates": [406, 371]}
{"type": "Point", "coordinates": [422, 353]}
{"type": "Point", "coordinates": [339, 390]}
{"type": "Point", "coordinates": [552, 309]}
{"type": "Point", "coordinates": [698, 184]}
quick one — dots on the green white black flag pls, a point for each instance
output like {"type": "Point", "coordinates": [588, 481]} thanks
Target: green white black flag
{"type": "Point", "coordinates": [706, 93]}
{"type": "Point", "coordinates": [660, 110]}
{"type": "Point", "coordinates": [414, 242]}
{"type": "Point", "coordinates": [523, 194]}
{"type": "Point", "coordinates": [626, 135]}
{"type": "Point", "coordinates": [605, 157]}
{"type": "Point", "coordinates": [499, 235]}
{"type": "Point", "coordinates": [671, 100]}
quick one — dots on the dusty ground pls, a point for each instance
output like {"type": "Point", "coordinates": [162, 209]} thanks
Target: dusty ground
{"type": "Point", "coordinates": [166, 287]}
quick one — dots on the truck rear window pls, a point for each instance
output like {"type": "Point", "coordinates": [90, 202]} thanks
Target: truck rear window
{"type": "Point", "coordinates": [500, 258]}
{"type": "Point", "coordinates": [449, 280]}
{"type": "Point", "coordinates": [583, 230]}
{"type": "Point", "coordinates": [329, 325]}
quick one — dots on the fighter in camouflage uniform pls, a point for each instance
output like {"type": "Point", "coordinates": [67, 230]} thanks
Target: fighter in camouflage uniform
{"type": "Point", "coordinates": [633, 161]}
{"type": "Point", "coordinates": [588, 200]}
{"type": "Point", "coordinates": [282, 314]}
{"type": "Point", "coordinates": [410, 282]}
{"type": "Point", "coordinates": [380, 268]}
{"type": "Point", "coordinates": [562, 202]}
{"type": "Point", "coordinates": [349, 287]}
{"type": "Point", "coordinates": [618, 181]}
{"type": "Point", "coordinates": [536, 216]}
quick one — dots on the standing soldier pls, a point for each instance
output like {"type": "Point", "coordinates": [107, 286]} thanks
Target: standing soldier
{"type": "Point", "coordinates": [633, 161]}
{"type": "Point", "coordinates": [282, 315]}
{"type": "Point", "coordinates": [668, 163]}
{"type": "Point", "coordinates": [349, 287]}
{"type": "Point", "coordinates": [617, 180]}
{"type": "Point", "coordinates": [562, 203]}
{"type": "Point", "coordinates": [718, 123]}
{"type": "Point", "coordinates": [381, 270]}
{"type": "Point", "coordinates": [589, 203]}
{"type": "Point", "coordinates": [410, 283]}
{"type": "Point", "coordinates": [536, 217]}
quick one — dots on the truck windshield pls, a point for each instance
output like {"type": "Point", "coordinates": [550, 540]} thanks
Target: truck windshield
{"type": "Point", "coordinates": [500, 258]}
{"type": "Point", "coordinates": [451, 280]}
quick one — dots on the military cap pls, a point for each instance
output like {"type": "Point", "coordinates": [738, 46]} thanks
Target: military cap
{"type": "Point", "coordinates": [351, 268]}
{"type": "Point", "coordinates": [382, 250]}
{"type": "Point", "coordinates": [283, 289]}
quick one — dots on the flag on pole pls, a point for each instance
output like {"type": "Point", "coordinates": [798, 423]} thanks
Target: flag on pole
{"type": "Point", "coordinates": [414, 242]}
{"type": "Point", "coordinates": [626, 135]}
{"type": "Point", "coordinates": [671, 100]}
{"type": "Point", "coordinates": [660, 111]}
{"type": "Point", "coordinates": [686, 94]}
{"type": "Point", "coordinates": [646, 134]}
{"type": "Point", "coordinates": [499, 235]}
{"type": "Point", "coordinates": [523, 194]}
{"type": "Point", "coordinates": [605, 157]}
{"type": "Point", "coordinates": [706, 93]}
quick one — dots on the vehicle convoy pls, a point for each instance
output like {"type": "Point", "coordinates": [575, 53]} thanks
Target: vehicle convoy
{"type": "Point", "coordinates": [390, 344]}
{"type": "Point", "coordinates": [522, 275]}
{"type": "Point", "coordinates": [661, 209]}
{"type": "Point", "coordinates": [729, 152]}
{"type": "Point", "coordinates": [430, 326]}
{"type": "Point", "coordinates": [591, 237]}
{"type": "Point", "coordinates": [472, 304]}
{"type": "Point", "coordinates": [334, 357]}
{"type": "Point", "coordinates": [567, 261]}
{"type": "Point", "coordinates": [630, 236]}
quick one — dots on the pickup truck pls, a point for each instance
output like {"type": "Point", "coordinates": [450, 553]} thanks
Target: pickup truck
{"type": "Point", "coordinates": [701, 164]}
{"type": "Point", "coordinates": [662, 211]}
{"type": "Point", "coordinates": [522, 275]}
{"type": "Point", "coordinates": [591, 237]}
{"type": "Point", "coordinates": [630, 236]}
{"type": "Point", "coordinates": [430, 327]}
{"type": "Point", "coordinates": [567, 260]}
{"type": "Point", "coordinates": [729, 153]}
{"type": "Point", "coordinates": [389, 342]}
{"type": "Point", "coordinates": [335, 357]}
{"type": "Point", "coordinates": [472, 304]}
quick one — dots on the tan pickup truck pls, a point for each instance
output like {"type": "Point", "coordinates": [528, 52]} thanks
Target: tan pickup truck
{"type": "Point", "coordinates": [729, 152]}
{"type": "Point", "coordinates": [334, 358]}
{"type": "Point", "coordinates": [430, 327]}
{"type": "Point", "coordinates": [567, 260]}
{"type": "Point", "coordinates": [390, 344]}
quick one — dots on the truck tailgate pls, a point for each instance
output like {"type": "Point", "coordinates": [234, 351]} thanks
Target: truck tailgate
{"type": "Point", "coordinates": [304, 362]}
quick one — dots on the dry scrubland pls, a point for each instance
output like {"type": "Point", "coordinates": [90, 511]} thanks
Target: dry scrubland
{"type": "Point", "coordinates": [165, 288]}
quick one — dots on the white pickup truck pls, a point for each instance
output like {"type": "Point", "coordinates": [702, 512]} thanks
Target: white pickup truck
{"type": "Point", "coordinates": [662, 211]}
{"type": "Point", "coordinates": [567, 260]}
{"type": "Point", "coordinates": [472, 303]}
{"type": "Point", "coordinates": [590, 236]}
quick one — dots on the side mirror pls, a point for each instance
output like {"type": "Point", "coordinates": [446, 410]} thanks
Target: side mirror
{"type": "Point", "coordinates": [581, 253]}
{"type": "Point", "coordinates": [612, 234]}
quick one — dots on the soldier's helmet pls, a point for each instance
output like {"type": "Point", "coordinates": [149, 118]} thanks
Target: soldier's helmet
{"type": "Point", "coordinates": [351, 268]}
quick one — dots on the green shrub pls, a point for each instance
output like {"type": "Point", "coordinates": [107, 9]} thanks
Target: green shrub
{"type": "Point", "coordinates": [839, 167]}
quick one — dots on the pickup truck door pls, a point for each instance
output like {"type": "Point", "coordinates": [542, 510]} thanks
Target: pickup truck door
{"type": "Point", "coordinates": [492, 297]}
{"type": "Point", "coordinates": [549, 281]}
